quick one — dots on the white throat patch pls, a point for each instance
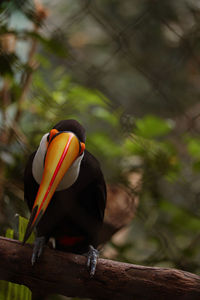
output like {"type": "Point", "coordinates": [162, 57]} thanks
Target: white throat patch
{"type": "Point", "coordinates": [38, 167]}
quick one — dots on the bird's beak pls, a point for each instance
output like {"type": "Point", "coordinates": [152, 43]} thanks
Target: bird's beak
{"type": "Point", "coordinates": [63, 149]}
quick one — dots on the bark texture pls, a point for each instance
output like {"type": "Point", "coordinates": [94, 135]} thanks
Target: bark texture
{"type": "Point", "coordinates": [66, 274]}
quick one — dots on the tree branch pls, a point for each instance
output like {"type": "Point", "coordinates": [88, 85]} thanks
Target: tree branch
{"type": "Point", "coordinates": [65, 273]}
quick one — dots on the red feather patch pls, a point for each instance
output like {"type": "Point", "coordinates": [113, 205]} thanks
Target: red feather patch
{"type": "Point", "coordinates": [69, 240]}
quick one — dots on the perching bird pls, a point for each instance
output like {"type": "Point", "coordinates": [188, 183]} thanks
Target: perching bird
{"type": "Point", "coordinates": [66, 193]}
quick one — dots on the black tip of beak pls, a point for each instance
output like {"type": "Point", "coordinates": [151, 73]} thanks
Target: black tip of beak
{"type": "Point", "coordinates": [27, 233]}
{"type": "Point", "coordinates": [30, 226]}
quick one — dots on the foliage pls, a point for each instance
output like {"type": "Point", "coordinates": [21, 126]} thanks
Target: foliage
{"type": "Point", "coordinates": [38, 89]}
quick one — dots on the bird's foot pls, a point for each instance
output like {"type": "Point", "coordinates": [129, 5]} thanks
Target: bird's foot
{"type": "Point", "coordinates": [38, 248]}
{"type": "Point", "coordinates": [92, 257]}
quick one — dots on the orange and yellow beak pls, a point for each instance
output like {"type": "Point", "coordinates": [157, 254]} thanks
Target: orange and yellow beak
{"type": "Point", "coordinates": [62, 150]}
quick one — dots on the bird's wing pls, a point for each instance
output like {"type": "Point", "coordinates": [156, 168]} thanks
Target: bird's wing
{"type": "Point", "coordinates": [93, 198]}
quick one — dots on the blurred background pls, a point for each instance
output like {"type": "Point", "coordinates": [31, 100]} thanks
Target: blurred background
{"type": "Point", "coordinates": [129, 71]}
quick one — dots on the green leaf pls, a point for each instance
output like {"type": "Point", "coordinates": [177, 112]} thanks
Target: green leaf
{"type": "Point", "coordinates": [9, 233]}
{"type": "Point", "coordinates": [23, 222]}
{"type": "Point", "coordinates": [102, 144]}
{"type": "Point", "coordinates": [193, 146]}
{"type": "Point", "coordinates": [86, 98]}
{"type": "Point", "coordinates": [152, 127]}
{"type": "Point", "coordinates": [106, 115]}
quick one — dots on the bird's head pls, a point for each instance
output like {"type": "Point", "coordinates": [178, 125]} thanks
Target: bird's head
{"type": "Point", "coordinates": [56, 165]}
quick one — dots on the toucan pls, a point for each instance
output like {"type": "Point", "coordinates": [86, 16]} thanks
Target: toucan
{"type": "Point", "coordinates": [65, 190]}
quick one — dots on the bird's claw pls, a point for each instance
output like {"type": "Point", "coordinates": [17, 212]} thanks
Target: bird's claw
{"type": "Point", "coordinates": [92, 257]}
{"type": "Point", "coordinates": [38, 248]}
